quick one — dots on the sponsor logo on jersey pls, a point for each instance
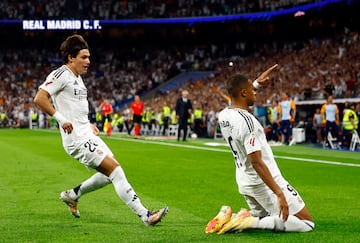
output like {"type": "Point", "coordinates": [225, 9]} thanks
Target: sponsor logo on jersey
{"type": "Point", "coordinates": [80, 94]}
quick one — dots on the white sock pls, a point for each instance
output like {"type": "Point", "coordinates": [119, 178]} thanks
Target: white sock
{"type": "Point", "coordinates": [97, 181]}
{"type": "Point", "coordinates": [126, 192]}
{"type": "Point", "coordinates": [293, 224]}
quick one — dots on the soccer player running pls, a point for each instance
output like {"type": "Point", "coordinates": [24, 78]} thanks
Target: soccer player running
{"type": "Point", "coordinates": [274, 203]}
{"type": "Point", "coordinates": [69, 107]}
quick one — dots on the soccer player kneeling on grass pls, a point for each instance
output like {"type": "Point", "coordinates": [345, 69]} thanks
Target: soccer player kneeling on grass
{"type": "Point", "coordinates": [274, 203]}
{"type": "Point", "coordinates": [70, 108]}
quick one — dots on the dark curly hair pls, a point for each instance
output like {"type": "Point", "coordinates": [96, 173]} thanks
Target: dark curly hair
{"type": "Point", "coordinates": [71, 46]}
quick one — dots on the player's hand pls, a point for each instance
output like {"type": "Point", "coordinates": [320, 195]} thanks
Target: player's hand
{"type": "Point", "coordinates": [265, 75]}
{"type": "Point", "coordinates": [95, 130]}
{"type": "Point", "coordinates": [68, 127]}
{"type": "Point", "coordinates": [283, 207]}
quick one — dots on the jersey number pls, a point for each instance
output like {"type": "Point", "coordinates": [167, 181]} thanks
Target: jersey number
{"type": "Point", "coordinates": [292, 190]}
{"type": "Point", "coordinates": [90, 145]}
{"type": "Point", "coordinates": [235, 153]}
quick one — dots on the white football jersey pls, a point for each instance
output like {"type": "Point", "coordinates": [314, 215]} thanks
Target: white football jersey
{"type": "Point", "coordinates": [69, 96]}
{"type": "Point", "coordinates": [245, 135]}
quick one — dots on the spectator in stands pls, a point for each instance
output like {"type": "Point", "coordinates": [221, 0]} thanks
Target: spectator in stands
{"type": "Point", "coordinates": [51, 9]}
{"type": "Point", "coordinates": [22, 71]}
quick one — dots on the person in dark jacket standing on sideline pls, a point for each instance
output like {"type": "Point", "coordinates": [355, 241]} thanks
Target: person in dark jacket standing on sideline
{"type": "Point", "coordinates": [183, 112]}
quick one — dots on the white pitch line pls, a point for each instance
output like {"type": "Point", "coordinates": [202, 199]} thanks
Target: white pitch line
{"type": "Point", "coordinates": [318, 161]}
{"type": "Point", "coordinates": [228, 151]}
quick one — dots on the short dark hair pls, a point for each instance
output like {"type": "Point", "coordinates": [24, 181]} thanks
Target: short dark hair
{"type": "Point", "coordinates": [235, 83]}
{"type": "Point", "coordinates": [72, 46]}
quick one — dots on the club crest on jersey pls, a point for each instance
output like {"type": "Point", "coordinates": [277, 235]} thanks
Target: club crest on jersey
{"type": "Point", "coordinates": [252, 139]}
{"type": "Point", "coordinates": [50, 82]}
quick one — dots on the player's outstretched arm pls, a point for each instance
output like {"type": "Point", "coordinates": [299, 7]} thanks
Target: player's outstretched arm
{"type": "Point", "coordinates": [265, 75]}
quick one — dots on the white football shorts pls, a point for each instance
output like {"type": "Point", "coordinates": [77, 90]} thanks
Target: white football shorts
{"type": "Point", "coordinates": [263, 202]}
{"type": "Point", "coordinates": [90, 153]}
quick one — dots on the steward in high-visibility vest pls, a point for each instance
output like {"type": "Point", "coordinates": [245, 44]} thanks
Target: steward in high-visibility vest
{"type": "Point", "coordinates": [98, 119]}
{"type": "Point", "coordinates": [145, 118]}
{"type": "Point", "coordinates": [274, 119]}
{"type": "Point", "coordinates": [198, 122]}
{"type": "Point", "coordinates": [350, 123]}
{"type": "Point", "coordinates": [118, 121]}
{"type": "Point", "coordinates": [350, 120]}
{"type": "Point", "coordinates": [2, 116]}
{"type": "Point", "coordinates": [198, 114]}
{"type": "Point", "coordinates": [34, 117]}
{"type": "Point", "coordinates": [3, 119]}
{"type": "Point", "coordinates": [115, 118]}
{"type": "Point", "coordinates": [174, 120]}
{"type": "Point", "coordinates": [270, 115]}
{"type": "Point", "coordinates": [166, 118]}
{"type": "Point", "coordinates": [190, 120]}
{"type": "Point", "coordinates": [152, 121]}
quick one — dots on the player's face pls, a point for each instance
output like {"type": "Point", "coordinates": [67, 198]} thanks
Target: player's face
{"type": "Point", "coordinates": [80, 63]}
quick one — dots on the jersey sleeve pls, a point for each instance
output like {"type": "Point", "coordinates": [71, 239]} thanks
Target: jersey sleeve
{"type": "Point", "coordinates": [249, 138]}
{"type": "Point", "coordinates": [52, 84]}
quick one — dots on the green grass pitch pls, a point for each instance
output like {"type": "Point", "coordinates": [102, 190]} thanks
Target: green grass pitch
{"type": "Point", "coordinates": [193, 180]}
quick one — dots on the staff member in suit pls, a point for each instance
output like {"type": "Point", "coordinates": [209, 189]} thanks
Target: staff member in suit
{"type": "Point", "coordinates": [183, 112]}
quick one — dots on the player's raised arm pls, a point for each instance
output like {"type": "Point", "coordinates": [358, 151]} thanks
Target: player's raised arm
{"type": "Point", "coordinates": [264, 76]}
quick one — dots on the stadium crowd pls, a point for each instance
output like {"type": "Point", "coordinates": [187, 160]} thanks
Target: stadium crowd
{"type": "Point", "coordinates": [112, 9]}
{"type": "Point", "coordinates": [307, 70]}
